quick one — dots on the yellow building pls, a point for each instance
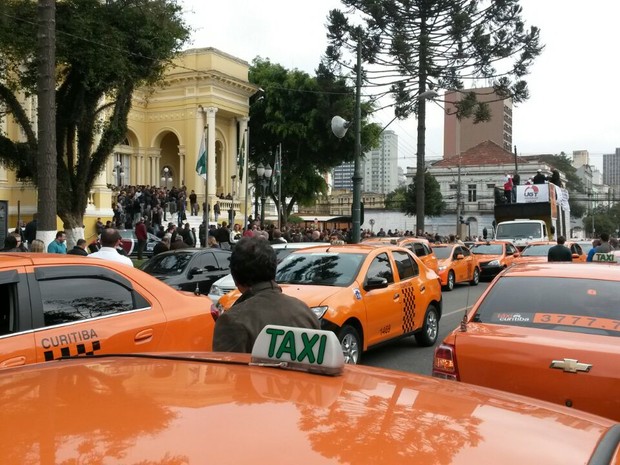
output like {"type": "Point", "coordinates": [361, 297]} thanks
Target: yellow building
{"type": "Point", "coordinates": [203, 88]}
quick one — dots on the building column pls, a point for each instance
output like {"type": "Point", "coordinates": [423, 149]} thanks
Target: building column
{"type": "Point", "coordinates": [182, 173]}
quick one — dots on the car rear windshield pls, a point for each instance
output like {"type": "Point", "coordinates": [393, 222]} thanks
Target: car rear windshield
{"type": "Point", "coordinates": [565, 304]}
{"type": "Point", "coordinates": [167, 264]}
{"type": "Point", "coordinates": [487, 249]}
{"type": "Point", "coordinates": [322, 269]}
{"type": "Point", "coordinates": [536, 250]}
{"type": "Point", "coordinates": [518, 231]}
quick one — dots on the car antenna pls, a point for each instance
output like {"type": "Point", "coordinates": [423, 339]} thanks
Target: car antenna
{"type": "Point", "coordinates": [197, 290]}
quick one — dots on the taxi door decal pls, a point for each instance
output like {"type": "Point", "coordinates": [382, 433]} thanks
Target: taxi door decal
{"type": "Point", "coordinates": [88, 348]}
{"type": "Point", "coordinates": [408, 308]}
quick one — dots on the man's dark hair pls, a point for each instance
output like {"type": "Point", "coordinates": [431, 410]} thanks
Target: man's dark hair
{"type": "Point", "coordinates": [10, 242]}
{"type": "Point", "coordinates": [253, 261]}
{"type": "Point", "coordinates": [80, 242]}
{"type": "Point", "coordinates": [561, 240]}
{"type": "Point", "coordinates": [605, 237]}
{"type": "Point", "coordinates": [59, 234]}
{"type": "Point", "coordinates": [109, 237]}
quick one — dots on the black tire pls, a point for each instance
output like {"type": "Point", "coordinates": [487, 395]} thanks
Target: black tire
{"type": "Point", "coordinates": [476, 278]}
{"type": "Point", "coordinates": [430, 329]}
{"type": "Point", "coordinates": [351, 344]}
{"type": "Point", "coordinates": [451, 281]}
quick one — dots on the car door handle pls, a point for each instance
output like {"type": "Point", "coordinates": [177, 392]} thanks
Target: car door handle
{"type": "Point", "coordinates": [396, 296]}
{"type": "Point", "coordinates": [144, 336]}
{"type": "Point", "coordinates": [422, 288]}
{"type": "Point", "coordinates": [13, 362]}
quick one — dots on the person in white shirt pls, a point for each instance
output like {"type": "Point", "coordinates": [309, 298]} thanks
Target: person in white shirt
{"type": "Point", "coordinates": [110, 238]}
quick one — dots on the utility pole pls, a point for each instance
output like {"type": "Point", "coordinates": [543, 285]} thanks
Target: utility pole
{"type": "Point", "coordinates": [46, 93]}
{"type": "Point", "coordinates": [458, 197]}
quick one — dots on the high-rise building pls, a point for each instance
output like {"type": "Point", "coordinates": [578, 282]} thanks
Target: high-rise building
{"type": "Point", "coordinates": [342, 176]}
{"type": "Point", "coordinates": [611, 170]}
{"type": "Point", "coordinates": [379, 168]}
{"type": "Point", "coordinates": [381, 165]}
{"type": "Point", "coordinates": [461, 135]}
{"type": "Point", "coordinates": [580, 158]}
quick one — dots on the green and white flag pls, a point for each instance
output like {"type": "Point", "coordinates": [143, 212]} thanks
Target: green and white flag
{"type": "Point", "coordinates": [240, 158]}
{"type": "Point", "coordinates": [201, 164]}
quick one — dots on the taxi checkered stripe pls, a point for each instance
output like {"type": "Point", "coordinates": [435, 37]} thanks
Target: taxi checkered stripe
{"type": "Point", "coordinates": [88, 348]}
{"type": "Point", "coordinates": [409, 310]}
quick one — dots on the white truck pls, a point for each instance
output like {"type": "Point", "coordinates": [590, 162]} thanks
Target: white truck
{"type": "Point", "coordinates": [520, 232]}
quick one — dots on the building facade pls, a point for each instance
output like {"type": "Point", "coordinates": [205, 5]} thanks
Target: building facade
{"type": "Point", "coordinates": [611, 170]}
{"type": "Point", "coordinates": [462, 135]}
{"type": "Point", "coordinates": [205, 96]}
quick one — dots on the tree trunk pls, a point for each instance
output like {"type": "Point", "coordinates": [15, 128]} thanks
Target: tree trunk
{"type": "Point", "coordinates": [46, 151]}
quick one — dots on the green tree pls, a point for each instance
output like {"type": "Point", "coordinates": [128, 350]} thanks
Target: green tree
{"type": "Point", "coordinates": [396, 199]}
{"type": "Point", "coordinates": [436, 44]}
{"type": "Point", "coordinates": [104, 50]}
{"type": "Point", "coordinates": [435, 205]}
{"type": "Point", "coordinates": [296, 112]}
{"type": "Point", "coordinates": [574, 185]}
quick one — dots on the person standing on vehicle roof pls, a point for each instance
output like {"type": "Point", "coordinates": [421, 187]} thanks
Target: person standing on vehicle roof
{"type": "Point", "coordinates": [253, 265]}
{"type": "Point", "coordinates": [539, 178]}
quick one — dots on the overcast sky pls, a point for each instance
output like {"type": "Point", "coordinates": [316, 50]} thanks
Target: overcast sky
{"type": "Point", "coordinates": [574, 103]}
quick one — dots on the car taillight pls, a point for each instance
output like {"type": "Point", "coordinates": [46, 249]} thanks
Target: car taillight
{"type": "Point", "coordinates": [444, 363]}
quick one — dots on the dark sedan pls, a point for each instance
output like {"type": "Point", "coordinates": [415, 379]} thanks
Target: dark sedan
{"type": "Point", "coordinates": [192, 270]}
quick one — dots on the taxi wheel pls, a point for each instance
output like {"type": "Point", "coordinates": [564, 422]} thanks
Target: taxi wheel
{"type": "Point", "coordinates": [450, 283]}
{"type": "Point", "coordinates": [430, 330]}
{"type": "Point", "coordinates": [351, 344]}
{"type": "Point", "coordinates": [476, 278]}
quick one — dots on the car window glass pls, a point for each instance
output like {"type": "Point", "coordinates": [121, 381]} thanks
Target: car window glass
{"type": "Point", "coordinates": [427, 249]}
{"type": "Point", "coordinates": [442, 252]}
{"type": "Point", "coordinates": [223, 260]}
{"type": "Point", "coordinates": [564, 304]}
{"type": "Point", "coordinates": [77, 299]}
{"type": "Point", "coordinates": [406, 266]}
{"type": "Point", "coordinates": [487, 249]}
{"type": "Point", "coordinates": [8, 309]}
{"type": "Point", "coordinates": [380, 268]}
{"type": "Point", "coordinates": [320, 268]}
{"type": "Point", "coordinates": [172, 264]}
{"type": "Point", "coordinates": [419, 249]}
{"type": "Point", "coordinates": [465, 251]}
{"type": "Point", "coordinates": [205, 260]}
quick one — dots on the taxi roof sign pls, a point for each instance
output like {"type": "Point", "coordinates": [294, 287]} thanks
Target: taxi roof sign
{"type": "Point", "coordinates": [310, 350]}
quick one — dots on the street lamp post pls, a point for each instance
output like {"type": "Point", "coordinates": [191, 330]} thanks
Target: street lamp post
{"type": "Point", "coordinates": [119, 172]}
{"type": "Point", "coordinates": [165, 178]}
{"type": "Point", "coordinates": [264, 177]}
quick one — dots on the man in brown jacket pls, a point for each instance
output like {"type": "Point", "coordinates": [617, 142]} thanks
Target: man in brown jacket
{"type": "Point", "coordinates": [253, 267]}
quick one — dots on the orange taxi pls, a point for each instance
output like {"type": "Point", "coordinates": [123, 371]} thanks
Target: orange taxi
{"type": "Point", "coordinates": [536, 252]}
{"type": "Point", "coordinates": [493, 256]}
{"type": "Point", "coordinates": [548, 331]}
{"type": "Point", "coordinates": [172, 408]}
{"type": "Point", "coordinates": [456, 265]}
{"type": "Point", "coordinates": [419, 246]}
{"type": "Point", "coordinates": [366, 294]}
{"type": "Point", "coordinates": [61, 305]}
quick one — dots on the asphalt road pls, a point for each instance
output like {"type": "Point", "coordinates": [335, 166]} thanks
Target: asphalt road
{"type": "Point", "coordinates": [405, 355]}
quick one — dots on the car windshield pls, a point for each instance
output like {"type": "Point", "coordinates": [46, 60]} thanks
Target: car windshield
{"type": "Point", "coordinates": [442, 252]}
{"type": "Point", "coordinates": [126, 234]}
{"type": "Point", "coordinates": [487, 249]}
{"type": "Point", "coordinates": [566, 304]}
{"type": "Point", "coordinates": [322, 269]}
{"type": "Point", "coordinates": [172, 264]}
{"type": "Point", "coordinates": [536, 250]}
{"type": "Point", "coordinates": [518, 231]}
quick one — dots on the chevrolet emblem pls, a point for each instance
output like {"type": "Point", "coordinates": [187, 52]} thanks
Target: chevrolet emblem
{"type": "Point", "coordinates": [570, 365]}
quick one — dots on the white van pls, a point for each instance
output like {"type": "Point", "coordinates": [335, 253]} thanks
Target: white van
{"type": "Point", "coordinates": [521, 232]}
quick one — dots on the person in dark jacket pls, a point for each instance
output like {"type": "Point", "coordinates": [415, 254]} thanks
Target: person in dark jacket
{"type": "Point", "coordinates": [559, 252]}
{"type": "Point", "coordinates": [253, 267]}
{"type": "Point", "coordinates": [79, 248]}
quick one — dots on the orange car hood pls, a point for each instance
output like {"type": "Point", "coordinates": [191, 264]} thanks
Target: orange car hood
{"type": "Point", "coordinates": [311, 295]}
{"type": "Point", "coordinates": [487, 257]}
{"type": "Point", "coordinates": [140, 410]}
{"type": "Point", "coordinates": [531, 260]}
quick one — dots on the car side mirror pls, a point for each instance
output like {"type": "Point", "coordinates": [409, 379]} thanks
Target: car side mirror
{"type": "Point", "coordinates": [516, 254]}
{"type": "Point", "coordinates": [575, 255]}
{"type": "Point", "coordinates": [460, 256]}
{"type": "Point", "coordinates": [194, 271]}
{"type": "Point", "coordinates": [375, 283]}
{"type": "Point", "coordinates": [211, 268]}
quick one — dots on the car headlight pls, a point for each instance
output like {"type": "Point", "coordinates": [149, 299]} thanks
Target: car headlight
{"type": "Point", "coordinates": [493, 263]}
{"type": "Point", "coordinates": [319, 311]}
{"type": "Point", "coordinates": [442, 267]}
{"type": "Point", "coordinates": [216, 290]}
